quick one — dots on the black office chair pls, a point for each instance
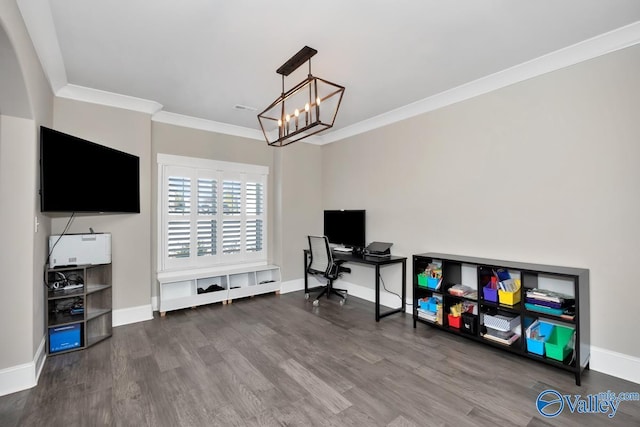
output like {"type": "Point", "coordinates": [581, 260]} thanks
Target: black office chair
{"type": "Point", "coordinates": [322, 263]}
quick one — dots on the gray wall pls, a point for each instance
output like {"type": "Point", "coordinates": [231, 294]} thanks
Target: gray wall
{"type": "Point", "coordinates": [543, 171]}
{"type": "Point", "coordinates": [127, 131]}
{"type": "Point", "coordinates": [23, 256]}
{"type": "Point", "coordinates": [16, 225]}
{"type": "Point", "coordinates": [301, 205]}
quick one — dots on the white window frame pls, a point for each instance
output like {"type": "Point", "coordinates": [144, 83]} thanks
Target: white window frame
{"type": "Point", "coordinates": [194, 168]}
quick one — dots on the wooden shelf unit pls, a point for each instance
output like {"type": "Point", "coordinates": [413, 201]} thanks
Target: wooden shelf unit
{"type": "Point", "coordinates": [95, 297]}
{"type": "Point", "coordinates": [468, 271]}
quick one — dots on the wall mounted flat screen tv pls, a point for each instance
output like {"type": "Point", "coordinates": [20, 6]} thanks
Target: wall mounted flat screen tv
{"type": "Point", "coordinates": [345, 227]}
{"type": "Point", "coordinates": [77, 175]}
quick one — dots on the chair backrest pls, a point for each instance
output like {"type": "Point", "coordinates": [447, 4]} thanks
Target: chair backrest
{"type": "Point", "coordinates": [321, 258]}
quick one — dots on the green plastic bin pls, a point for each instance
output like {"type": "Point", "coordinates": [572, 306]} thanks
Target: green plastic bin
{"type": "Point", "coordinates": [557, 346]}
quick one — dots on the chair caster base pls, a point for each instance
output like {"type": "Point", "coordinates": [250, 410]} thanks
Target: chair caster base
{"type": "Point", "coordinates": [342, 301]}
{"type": "Point", "coordinates": [316, 303]}
{"type": "Point", "coordinates": [306, 296]}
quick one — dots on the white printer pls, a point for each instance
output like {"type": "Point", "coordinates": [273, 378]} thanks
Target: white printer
{"type": "Point", "coordinates": [79, 249]}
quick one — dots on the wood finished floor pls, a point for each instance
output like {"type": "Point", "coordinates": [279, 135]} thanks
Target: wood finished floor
{"type": "Point", "coordinates": [277, 361]}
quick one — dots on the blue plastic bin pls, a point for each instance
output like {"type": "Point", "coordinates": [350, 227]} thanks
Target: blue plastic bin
{"type": "Point", "coordinates": [536, 345]}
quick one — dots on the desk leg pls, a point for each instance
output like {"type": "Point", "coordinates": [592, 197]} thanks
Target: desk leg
{"type": "Point", "coordinates": [377, 293]}
{"type": "Point", "coordinates": [403, 305]}
{"type": "Point", "coordinates": [306, 280]}
{"type": "Point", "coordinates": [404, 285]}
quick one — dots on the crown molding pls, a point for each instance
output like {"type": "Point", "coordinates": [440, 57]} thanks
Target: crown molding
{"type": "Point", "coordinates": [208, 125]}
{"type": "Point", "coordinates": [96, 96]}
{"type": "Point", "coordinates": [588, 49]}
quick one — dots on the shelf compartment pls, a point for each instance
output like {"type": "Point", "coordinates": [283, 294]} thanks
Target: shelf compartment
{"type": "Point", "coordinates": [59, 310]}
{"type": "Point", "coordinates": [508, 308]}
{"type": "Point", "coordinates": [99, 327]}
{"type": "Point", "coordinates": [212, 284]}
{"type": "Point", "coordinates": [515, 342]}
{"type": "Point", "coordinates": [97, 302]}
{"type": "Point", "coordinates": [97, 313]}
{"type": "Point", "coordinates": [96, 288]}
{"type": "Point", "coordinates": [269, 279]}
{"type": "Point", "coordinates": [179, 289]}
{"type": "Point", "coordinates": [61, 293]}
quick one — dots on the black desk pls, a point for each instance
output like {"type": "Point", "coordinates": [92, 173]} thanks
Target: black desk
{"type": "Point", "coordinates": [377, 262]}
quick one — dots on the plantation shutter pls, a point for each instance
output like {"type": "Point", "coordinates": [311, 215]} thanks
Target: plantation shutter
{"type": "Point", "coordinates": [231, 222]}
{"type": "Point", "coordinates": [254, 216]}
{"type": "Point", "coordinates": [207, 227]}
{"type": "Point", "coordinates": [212, 213]}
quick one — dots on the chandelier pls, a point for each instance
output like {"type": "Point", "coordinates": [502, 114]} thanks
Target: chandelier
{"type": "Point", "coordinates": [307, 108]}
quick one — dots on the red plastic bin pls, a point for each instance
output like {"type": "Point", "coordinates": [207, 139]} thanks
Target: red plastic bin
{"type": "Point", "coordinates": [454, 321]}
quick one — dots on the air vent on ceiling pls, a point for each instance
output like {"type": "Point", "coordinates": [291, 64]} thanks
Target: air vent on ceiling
{"type": "Point", "coordinates": [244, 107]}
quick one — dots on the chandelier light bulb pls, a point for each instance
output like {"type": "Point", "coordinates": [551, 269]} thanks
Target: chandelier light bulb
{"type": "Point", "coordinates": [306, 107]}
{"type": "Point", "coordinates": [288, 117]}
{"type": "Point", "coordinates": [296, 113]}
{"type": "Point", "coordinates": [318, 100]}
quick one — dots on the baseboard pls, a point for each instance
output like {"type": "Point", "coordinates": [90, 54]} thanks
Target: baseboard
{"type": "Point", "coordinates": [387, 299]}
{"type": "Point", "coordinates": [40, 357]}
{"type": "Point", "coordinates": [125, 316]}
{"type": "Point", "coordinates": [292, 286]}
{"type": "Point", "coordinates": [25, 376]}
{"type": "Point", "coordinates": [615, 364]}
{"type": "Point", "coordinates": [154, 304]}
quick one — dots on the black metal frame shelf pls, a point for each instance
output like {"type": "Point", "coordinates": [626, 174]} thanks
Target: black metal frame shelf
{"type": "Point", "coordinates": [576, 362]}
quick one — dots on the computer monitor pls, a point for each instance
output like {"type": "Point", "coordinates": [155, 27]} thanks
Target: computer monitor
{"type": "Point", "coordinates": [345, 227]}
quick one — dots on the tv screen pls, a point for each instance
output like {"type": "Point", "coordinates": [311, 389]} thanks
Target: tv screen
{"type": "Point", "coordinates": [77, 175]}
{"type": "Point", "coordinates": [345, 227]}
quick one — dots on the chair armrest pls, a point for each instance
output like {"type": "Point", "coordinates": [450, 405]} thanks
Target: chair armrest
{"type": "Point", "coordinates": [343, 269]}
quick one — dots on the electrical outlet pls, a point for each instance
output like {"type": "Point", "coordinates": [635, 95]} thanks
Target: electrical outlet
{"type": "Point", "coordinates": [36, 225]}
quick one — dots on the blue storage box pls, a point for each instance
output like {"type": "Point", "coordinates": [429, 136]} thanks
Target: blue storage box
{"type": "Point", "coordinates": [535, 343]}
{"type": "Point", "coordinates": [62, 338]}
{"type": "Point", "coordinates": [430, 304]}
{"type": "Point", "coordinates": [433, 282]}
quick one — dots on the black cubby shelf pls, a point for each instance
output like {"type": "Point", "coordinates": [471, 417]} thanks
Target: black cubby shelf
{"type": "Point", "coordinates": [473, 272]}
{"type": "Point", "coordinates": [71, 330]}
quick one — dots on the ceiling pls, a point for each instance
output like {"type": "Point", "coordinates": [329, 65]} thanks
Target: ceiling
{"type": "Point", "coordinates": [200, 58]}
